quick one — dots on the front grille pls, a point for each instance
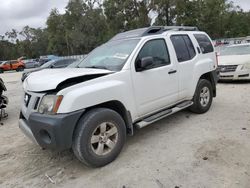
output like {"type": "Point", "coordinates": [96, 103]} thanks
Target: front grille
{"type": "Point", "coordinates": [244, 75]}
{"type": "Point", "coordinates": [37, 102]}
{"type": "Point", "coordinates": [228, 68]}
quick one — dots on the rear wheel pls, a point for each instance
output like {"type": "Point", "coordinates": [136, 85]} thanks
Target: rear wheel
{"type": "Point", "coordinates": [1, 71]}
{"type": "Point", "coordinates": [203, 97]}
{"type": "Point", "coordinates": [99, 137]}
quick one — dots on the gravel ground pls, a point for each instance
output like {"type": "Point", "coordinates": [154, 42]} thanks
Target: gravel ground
{"type": "Point", "coordinates": [184, 150]}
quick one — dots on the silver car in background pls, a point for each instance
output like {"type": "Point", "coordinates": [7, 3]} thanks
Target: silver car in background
{"type": "Point", "coordinates": [58, 63]}
{"type": "Point", "coordinates": [30, 63]}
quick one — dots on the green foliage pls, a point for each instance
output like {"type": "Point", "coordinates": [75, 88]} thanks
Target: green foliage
{"type": "Point", "coordinates": [88, 23]}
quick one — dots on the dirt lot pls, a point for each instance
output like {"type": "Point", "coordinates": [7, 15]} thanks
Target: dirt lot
{"type": "Point", "coordinates": [184, 150]}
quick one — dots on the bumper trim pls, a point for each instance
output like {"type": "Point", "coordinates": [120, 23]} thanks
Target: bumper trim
{"type": "Point", "coordinates": [26, 130]}
{"type": "Point", "coordinates": [59, 129]}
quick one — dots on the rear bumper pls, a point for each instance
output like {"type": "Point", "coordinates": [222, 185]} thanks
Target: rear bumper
{"type": "Point", "coordinates": [51, 131]}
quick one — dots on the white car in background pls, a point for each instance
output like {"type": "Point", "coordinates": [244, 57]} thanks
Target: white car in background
{"type": "Point", "coordinates": [234, 62]}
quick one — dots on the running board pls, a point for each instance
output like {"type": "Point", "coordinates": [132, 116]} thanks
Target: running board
{"type": "Point", "coordinates": [162, 114]}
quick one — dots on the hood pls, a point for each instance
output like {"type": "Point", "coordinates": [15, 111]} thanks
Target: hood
{"type": "Point", "coordinates": [49, 79]}
{"type": "Point", "coordinates": [233, 59]}
{"type": "Point", "coordinates": [32, 70]}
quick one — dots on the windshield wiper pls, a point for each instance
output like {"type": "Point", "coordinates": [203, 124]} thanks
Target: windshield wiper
{"type": "Point", "coordinates": [97, 67]}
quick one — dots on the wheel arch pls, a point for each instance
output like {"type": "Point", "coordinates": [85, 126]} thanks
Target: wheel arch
{"type": "Point", "coordinates": [118, 107]}
{"type": "Point", "coordinates": [210, 76]}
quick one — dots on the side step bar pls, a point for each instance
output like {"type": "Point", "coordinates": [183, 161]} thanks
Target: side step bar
{"type": "Point", "coordinates": [162, 114]}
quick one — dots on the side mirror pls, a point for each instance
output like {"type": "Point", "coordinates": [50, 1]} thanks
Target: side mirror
{"type": "Point", "coordinates": [144, 63]}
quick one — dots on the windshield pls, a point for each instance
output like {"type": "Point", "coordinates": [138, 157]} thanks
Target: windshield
{"type": "Point", "coordinates": [111, 56]}
{"type": "Point", "coordinates": [48, 64]}
{"type": "Point", "coordinates": [236, 50]}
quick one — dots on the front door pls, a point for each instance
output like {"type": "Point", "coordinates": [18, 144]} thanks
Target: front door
{"type": "Point", "coordinates": [155, 87]}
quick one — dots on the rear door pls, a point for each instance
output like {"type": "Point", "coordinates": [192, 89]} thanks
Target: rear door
{"type": "Point", "coordinates": [186, 57]}
{"type": "Point", "coordinates": [157, 86]}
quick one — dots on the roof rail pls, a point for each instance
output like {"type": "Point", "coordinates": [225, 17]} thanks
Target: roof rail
{"type": "Point", "coordinates": [181, 28]}
{"type": "Point", "coordinates": [153, 30]}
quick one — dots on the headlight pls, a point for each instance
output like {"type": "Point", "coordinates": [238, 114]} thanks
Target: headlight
{"type": "Point", "coordinates": [246, 66]}
{"type": "Point", "coordinates": [50, 104]}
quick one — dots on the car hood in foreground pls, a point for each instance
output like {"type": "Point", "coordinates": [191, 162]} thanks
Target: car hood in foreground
{"type": "Point", "coordinates": [233, 59]}
{"type": "Point", "coordinates": [49, 79]}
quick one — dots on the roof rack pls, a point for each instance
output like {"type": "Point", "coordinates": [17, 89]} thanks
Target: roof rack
{"type": "Point", "coordinates": [181, 28]}
{"type": "Point", "coordinates": [153, 30]}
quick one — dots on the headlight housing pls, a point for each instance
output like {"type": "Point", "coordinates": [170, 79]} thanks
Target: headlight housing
{"type": "Point", "coordinates": [50, 104]}
{"type": "Point", "coordinates": [246, 66]}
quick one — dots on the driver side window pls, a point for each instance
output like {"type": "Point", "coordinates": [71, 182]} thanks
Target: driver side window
{"type": "Point", "coordinates": [156, 49]}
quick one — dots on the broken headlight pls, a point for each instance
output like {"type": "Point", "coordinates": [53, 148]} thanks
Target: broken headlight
{"type": "Point", "coordinates": [50, 104]}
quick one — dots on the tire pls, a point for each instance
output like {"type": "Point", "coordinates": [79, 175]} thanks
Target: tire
{"type": "Point", "coordinates": [19, 69]}
{"type": "Point", "coordinates": [203, 97]}
{"type": "Point", "coordinates": [1, 71]}
{"type": "Point", "coordinates": [98, 153]}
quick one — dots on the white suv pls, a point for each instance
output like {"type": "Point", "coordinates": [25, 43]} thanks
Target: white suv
{"type": "Point", "coordinates": [133, 80]}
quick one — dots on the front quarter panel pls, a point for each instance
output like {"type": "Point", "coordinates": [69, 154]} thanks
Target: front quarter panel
{"type": "Point", "coordinates": [115, 86]}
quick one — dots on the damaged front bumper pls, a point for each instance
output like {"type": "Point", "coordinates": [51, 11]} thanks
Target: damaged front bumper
{"type": "Point", "coordinates": [51, 131]}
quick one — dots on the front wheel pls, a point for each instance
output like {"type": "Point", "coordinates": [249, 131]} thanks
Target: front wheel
{"type": "Point", "coordinates": [1, 71]}
{"type": "Point", "coordinates": [99, 137]}
{"type": "Point", "coordinates": [19, 69]}
{"type": "Point", "coordinates": [203, 97]}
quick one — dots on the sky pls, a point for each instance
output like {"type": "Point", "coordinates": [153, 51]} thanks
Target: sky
{"type": "Point", "coordinates": [18, 13]}
{"type": "Point", "coordinates": [15, 14]}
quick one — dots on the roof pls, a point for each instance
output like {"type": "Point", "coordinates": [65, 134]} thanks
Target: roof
{"type": "Point", "coordinates": [153, 30]}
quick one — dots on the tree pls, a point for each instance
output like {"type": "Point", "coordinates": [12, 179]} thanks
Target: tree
{"type": "Point", "coordinates": [166, 10]}
{"type": "Point", "coordinates": [89, 23]}
{"type": "Point", "coordinates": [56, 34]}
{"type": "Point", "coordinates": [12, 35]}
{"type": "Point", "coordinates": [86, 26]}
{"type": "Point", "coordinates": [124, 15]}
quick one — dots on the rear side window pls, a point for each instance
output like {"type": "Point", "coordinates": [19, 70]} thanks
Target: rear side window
{"type": "Point", "coordinates": [183, 47]}
{"type": "Point", "coordinates": [190, 46]}
{"type": "Point", "coordinates": [204, 42]}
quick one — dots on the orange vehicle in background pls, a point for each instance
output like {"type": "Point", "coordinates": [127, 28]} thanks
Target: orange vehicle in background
{"type": "Point", "coordinates": [17, 65]}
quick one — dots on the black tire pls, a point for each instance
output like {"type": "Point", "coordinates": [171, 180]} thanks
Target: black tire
{"type": "Point", "coordinates": [200, 107]}
{"type": "Point", "coordinates": [19, 69]}
{"type": "Point", "coordinates": [88, 124]}
{"type": "Point", "coordinates": [1, 71]}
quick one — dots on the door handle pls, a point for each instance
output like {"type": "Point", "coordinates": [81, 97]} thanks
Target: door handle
{"type": "Point", "coordinates": [172, 72]}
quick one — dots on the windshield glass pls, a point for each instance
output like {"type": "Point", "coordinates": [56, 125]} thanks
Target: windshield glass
{"type": "Point", "coordinates": [236, 50]}
{"type": "Point", "coordinates": [111, 56]}
{"type": "Point", "coordinates": [48, 64]}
